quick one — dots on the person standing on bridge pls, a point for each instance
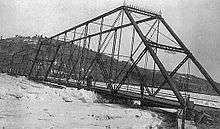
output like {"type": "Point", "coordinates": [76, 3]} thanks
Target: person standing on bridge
{"type": "Point", "coordinates": [89, 80]}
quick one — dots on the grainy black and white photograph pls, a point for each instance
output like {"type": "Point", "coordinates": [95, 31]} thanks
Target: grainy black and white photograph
{"type": "Point", "coordinates": [109, 64]}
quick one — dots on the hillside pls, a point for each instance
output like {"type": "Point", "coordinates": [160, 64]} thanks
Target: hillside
{"type": "Point", "coordinates": [18, 52]}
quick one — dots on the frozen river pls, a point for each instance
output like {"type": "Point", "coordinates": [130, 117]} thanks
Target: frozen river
{"type": "Point", "coordinates": [29, 105]}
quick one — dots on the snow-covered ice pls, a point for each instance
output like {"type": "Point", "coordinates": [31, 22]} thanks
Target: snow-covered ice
{"type": "Point", "coordinates": [29, 105]}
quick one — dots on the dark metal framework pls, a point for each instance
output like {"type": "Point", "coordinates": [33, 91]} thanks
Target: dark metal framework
{"type": "Point", "coordinates": [77, 52]}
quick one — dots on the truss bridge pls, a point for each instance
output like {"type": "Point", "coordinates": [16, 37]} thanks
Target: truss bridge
{"type": "Point", "coordinates": [127, 53]}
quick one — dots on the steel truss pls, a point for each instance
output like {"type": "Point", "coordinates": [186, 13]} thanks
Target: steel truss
{"type": "Point", "coordinates": [81, 61]}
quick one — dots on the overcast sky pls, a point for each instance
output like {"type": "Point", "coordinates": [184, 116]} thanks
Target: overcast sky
{"type": "Point", "coordinates": [197, 22]}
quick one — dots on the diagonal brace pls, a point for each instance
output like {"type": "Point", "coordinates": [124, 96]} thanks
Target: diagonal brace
{"type": "Point", "coordinates": [131, 68]}
{"type": "Point", "coordinates": [194, 60]}
{"type": "Point", "coordinates": [156, 59]}
{"type": "Point", "coordinates": [141, 78]}
{"type": "Point", "coordinates": [171, 74]}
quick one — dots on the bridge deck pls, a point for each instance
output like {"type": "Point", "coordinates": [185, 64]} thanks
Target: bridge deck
{"type": "Point", "coordinates": [165, 100]}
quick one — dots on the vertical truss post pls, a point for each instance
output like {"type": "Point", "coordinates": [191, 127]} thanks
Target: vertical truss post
{"type": "Point", "coordinates": [113, 54]}
{"type": "Point", "coordinates": [88, 50]}
{"type": "Point", "coordinates": [62, 60]}
{"type": "Point", "coordinates": [132, 42]}
{"type": "Point", "coordinates": [157, 38]}
{"type": "Point", "coordinates": [36, 56]}
{"type": "Point", "coordinates": [77, 60]}
{"type": "Point", "coordinates": [72, 49]}
{"type": "Point", "coordinates": [119, 41]}
{"type": "Point", "coordinates": [89, 43]}
{"type": "Point", "coordinates": [100, 35]}
{"type": "Point", "coordinates": [51, 64]}
{"type": "Point", "coordinates": [83, 52]}
{"type": "Point", "coordinates": [194, 60]}
{"type": "Point", "coordinates": [70, 57]}
{"type": "Point", "coordinates": [98, 56]}
{"type": "Point", "coordinates": [54, 58]}
{"type": "Point", "coordinates": [156, 59]}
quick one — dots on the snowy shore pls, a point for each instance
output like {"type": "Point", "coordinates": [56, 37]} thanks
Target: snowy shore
{"type": "Point", "coordinates": [27, 105]}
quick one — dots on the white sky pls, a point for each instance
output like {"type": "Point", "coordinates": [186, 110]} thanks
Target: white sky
{"type": "Point", "coordinates": [196, 22]}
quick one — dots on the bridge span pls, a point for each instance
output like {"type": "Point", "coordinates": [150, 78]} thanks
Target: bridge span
{"type": "Point", "coordinates": [123, 46]}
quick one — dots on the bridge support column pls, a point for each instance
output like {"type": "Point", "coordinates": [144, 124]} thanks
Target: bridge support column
{"type": "Point", "coordinates": [142, 95]}
{"type": "Point", "coordinates": [186, 113]}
